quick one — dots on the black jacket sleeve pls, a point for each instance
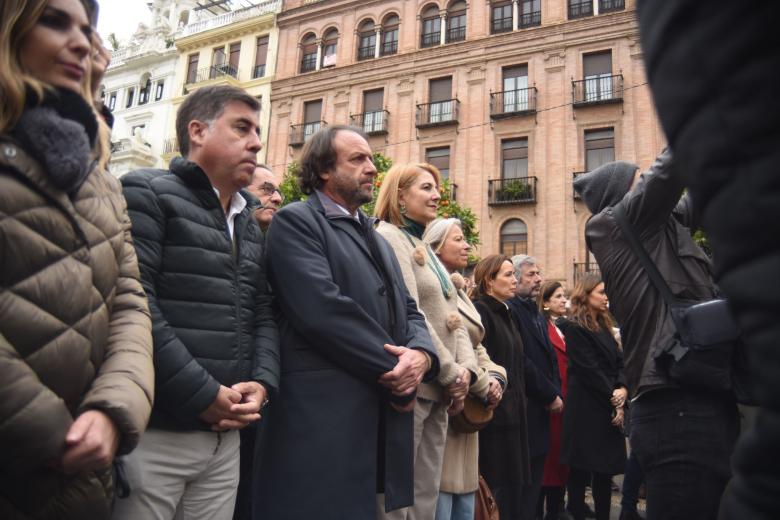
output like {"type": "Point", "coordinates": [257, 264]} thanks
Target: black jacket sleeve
{"type": "Point", "coordinates": [266, 367]}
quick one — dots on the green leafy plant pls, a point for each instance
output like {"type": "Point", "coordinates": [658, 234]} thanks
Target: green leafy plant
{"type": "Point", "coordinates": [517, 189]}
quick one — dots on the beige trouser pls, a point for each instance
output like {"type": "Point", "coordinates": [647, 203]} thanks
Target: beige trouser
{"type": "Point", "coordinates": [182, 476]}
{"type": "Point", "coordinates": [430, 436]}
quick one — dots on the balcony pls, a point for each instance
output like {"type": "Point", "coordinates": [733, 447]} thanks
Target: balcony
{"type": "Point", "coordinates": [574, 194]}
{"type": "Point", "coordinates": [580, 269]}
{"type": "Point", "coordinates": [258, 71]}
{"type": "Point", "coordinates": [513, 103]}
{"type": "Point", "coordinates": [440, 113]}
{"type": "Point", "coordinates": [430, 39]}
{"type": "Point", "coordinates": [580, 9]}
{"type": "Point", "coordinates": [530, 19]}
{"type": "Point", "coordinates": [372, 123]}
{"type": "Point", "coordinates": [170, 146]}
{"type": "Point", "coordinates": [389, 48]}
{"type": "Point", "coordinates": [309, 62]}
{"type": "Point", "coordinates": [501, 25]}
{"type": "Point", "coordinates": [366, 53]}
{"type": "Point", "coordinates": [213, 72]}
{"type": "Point", "coordinates": [456, 34]}
{"type": "Point", "coordinates": [520, 190]}
{"type": "Point", "coordinates": [269, 6]}
{"type": "Point", "coordinates": [598, 90]}
{"type": "Point", "coordinates": [300, 133]}
{"type": "Point", "coordinates": [610, 6]}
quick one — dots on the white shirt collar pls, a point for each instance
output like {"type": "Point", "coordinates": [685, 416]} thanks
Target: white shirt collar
{"type": "Point", "coordinates": [237, 205]}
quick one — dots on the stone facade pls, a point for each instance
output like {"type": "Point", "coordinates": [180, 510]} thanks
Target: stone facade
{"type": "Point", "coordinates": [545, 37]}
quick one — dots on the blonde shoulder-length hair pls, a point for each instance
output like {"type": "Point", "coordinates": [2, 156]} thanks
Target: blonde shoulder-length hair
{"type": "Point", "coordinates": [397, 179]}
{"type": "Point", "coordinates": [17, 19]}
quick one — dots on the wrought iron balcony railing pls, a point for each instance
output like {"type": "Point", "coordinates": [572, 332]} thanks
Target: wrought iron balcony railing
{"type": "Point", "coordinates": [170, 146]}
{"type": "Point", "coordinates": [300, 133]}
{"type": "Point", "coordinates": [609, 6]}
{"type": "Point", "coordinates": [308, 62]}
{"type": "Point", "coordinates": [389, 48]}
{"type": "Point", "coordinates": [520, 190]}
{"type": "Point", "coordinates": [580, 269]}
{"type": "Point", "coordinates": [511, 103]}
{"type": "Point", "coordinates": [213, 72]}
{"type": "Point", "coordinates": [372, 123]}
{"type": "Point", "coordinates": [258, 71]}
{"type": "Point", "coordinates": [574, 194]}
{"type": "Point", "coordinates": [501, 25]}
{"type": "Point", "coordinates": [439, 113]}
{"type": "Point", "coordinates": [580, 8]}
{"type": "Point", "coordinates": [456, 34]}
{"type": "Point", "coordinates": [430, 39]}
{"type": "Point", "coordinates": [531, 19]}
{"type": "Point", "coordinates": [598, 90]}
{"type": "Point", "coordinates": [366, 53]}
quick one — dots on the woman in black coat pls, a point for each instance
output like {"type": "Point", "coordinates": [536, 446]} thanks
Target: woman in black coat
{"type": "Point", "coordinates": [503, 444]}
{"type": "Point", "coordinates": [592, 441]}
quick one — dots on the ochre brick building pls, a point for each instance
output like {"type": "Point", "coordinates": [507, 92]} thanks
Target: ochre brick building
{"type": "Point", "coordinates": [510, 99]}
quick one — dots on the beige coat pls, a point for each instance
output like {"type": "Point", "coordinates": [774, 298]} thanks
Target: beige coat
{"type": "Point", "coordinates": [75, 333]}
{"type": "Point", "coordinates": [441, 313]}
{"type": "Point", "coordinates": [460, 473]}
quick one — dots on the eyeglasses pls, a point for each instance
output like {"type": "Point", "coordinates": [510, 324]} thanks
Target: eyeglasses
{"type": "Point", "coordinates": [268, 189]}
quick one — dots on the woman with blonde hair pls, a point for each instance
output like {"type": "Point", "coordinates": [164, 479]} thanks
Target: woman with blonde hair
{"type": "Point", "coordinates": [75, 334]}
{"type": "Point", "coordinates": [406, 204]}
{"type": "Point", "coordinates": [592, 442]}
{"type": "Point", "coordinates": [460, 471]}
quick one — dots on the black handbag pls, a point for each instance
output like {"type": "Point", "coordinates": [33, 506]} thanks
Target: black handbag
{"type": "Point", "coordinates": [707, 352]}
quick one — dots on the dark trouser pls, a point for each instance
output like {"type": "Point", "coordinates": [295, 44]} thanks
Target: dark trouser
{"type": "Point", "coordinates": [530, 492]}
{"type": "Point", "coordinates": [683, 440]}
{"type": "Point", "coordinates": [553, 497]}
{"type": "Point", "coordinates": [601, 486]}
{"type": "Point", "coordinates": [632, 479]}
{"type": "Point", "coordinates": [243, 510]}
{"type": "Point", "coordinates": [724, 130]}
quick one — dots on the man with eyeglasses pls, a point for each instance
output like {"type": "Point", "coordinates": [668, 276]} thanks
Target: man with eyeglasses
{"type": "Point", "coordinates": [266, 189]}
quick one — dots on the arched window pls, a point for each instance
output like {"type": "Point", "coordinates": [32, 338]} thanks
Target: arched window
{"type": "Point", "coordinates": [308, 53]}
{"type": "Point", "coordinates": [366, 40]}
{"type": "Point", "coordinates": [329, 44]}
{"type": "Point", "coordinates": [430, 35]}
{"type": "Point", "coordinates": [514, 238]}
{"type": "Point", "coordinates": [390, 35]}
{"type": "Point", "coordinates": [456, 22]}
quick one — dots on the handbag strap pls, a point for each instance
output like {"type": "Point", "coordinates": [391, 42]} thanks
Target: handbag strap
{"type": "Point", "coordinates": [641, 253]}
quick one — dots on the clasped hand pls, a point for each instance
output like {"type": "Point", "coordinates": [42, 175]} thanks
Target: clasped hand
{"type": "Point", "coordinates": [235, 407]}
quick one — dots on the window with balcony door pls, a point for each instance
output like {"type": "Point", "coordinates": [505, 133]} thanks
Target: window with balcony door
{"type": "Point", "coordinates": [366, 40]}
{"type": "Point", "coordinates": [217, 62]}
{"type": "Point", "coordinates": [440, 158]}
{"type": "Point", "coordinates": [261, 56]}
{"type": "Point", "coordinates": [530, 13]}
{"type": "Point", "coordinates": [580, 8]}
{"type": "Point", "coordinates": [234, 55]}
{"type": "Point", "coordinates": [145, 90]}
{"type": "Point", "coordinates": [515, 85]}
{"type": "Point", "coordinates": [129, 97]}
{"type": "Point", "coordinates": [599, 147]}
{"type": "Point", "coordinates": [309, 53]}
{"type": "Point", "coordinates": [597, 72]}
{"type": "Point", "coordinates": [159, 90]}
{"type": "Point", "coordinates": [441, 102]}
{"type": "Point", "coordinates": [329, 44]}
{"type": "Point", "coordinates": [373, 113]}
{"type": "Point", "coordinates": [501, 17]}
{"type": "Point", "coordinates": [192, 68]}
{"type": "Point", "coordinates": [514, 158]}
{"type": "Point", "coordinates": [112, 101]}
{"type": "Point", "coordinates": [514, 238]}
{"type": "Point", "coordinates": [312, 117]}
{"type": "Point", "coordinates": [456, 22]}
{"type": "Point", "coordinates": [389, 35]}
{"type": "Point", "coordinates": [431, 27]}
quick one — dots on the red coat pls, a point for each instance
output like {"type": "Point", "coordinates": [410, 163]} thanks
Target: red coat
{"type": "Point", "coordinates": [555, 473]}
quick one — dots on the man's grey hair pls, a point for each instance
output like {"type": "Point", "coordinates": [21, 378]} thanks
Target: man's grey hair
{"type": "Point", "coordinates": [520, 261]}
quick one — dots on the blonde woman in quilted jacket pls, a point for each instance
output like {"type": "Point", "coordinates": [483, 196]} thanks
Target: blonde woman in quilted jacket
{"type": "Point", "coordinates": [75, 334]}
{"type": "Point", "coordinates": [407, 201]}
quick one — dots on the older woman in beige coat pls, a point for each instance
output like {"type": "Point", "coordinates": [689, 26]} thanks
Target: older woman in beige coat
{"type": "Point", "coordinates": [407, 202]}
{"type": "Point", "coordinates": [460, 472]}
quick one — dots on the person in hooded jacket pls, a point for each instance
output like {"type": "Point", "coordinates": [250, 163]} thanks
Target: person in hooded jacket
{"type": "Point", "coordinates": [75, 335]}
{"type": "Point", "coordinates": [685, 476]}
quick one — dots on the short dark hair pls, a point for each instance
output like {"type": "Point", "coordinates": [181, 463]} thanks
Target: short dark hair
{"type": "Point", "coordinates": [319, 155]}
{"type": "Point", "coordinates": [207, 104]}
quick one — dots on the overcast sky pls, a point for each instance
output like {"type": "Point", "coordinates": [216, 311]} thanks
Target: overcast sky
{"type": "Point", "coordinates": [122, 17]}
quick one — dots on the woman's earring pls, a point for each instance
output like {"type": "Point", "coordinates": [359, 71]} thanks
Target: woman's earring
{"type": "Point", "coordinates": [546, 308]}
{"type": "Point", "coordinates": [403, 209]}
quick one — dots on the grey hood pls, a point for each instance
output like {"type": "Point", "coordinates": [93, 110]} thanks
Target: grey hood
{"type": "Point", "coordinates": [606, 185]}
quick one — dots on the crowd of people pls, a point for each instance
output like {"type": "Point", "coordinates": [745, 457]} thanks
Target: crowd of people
{"type": "Point", "coordinates": [177, 345]}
